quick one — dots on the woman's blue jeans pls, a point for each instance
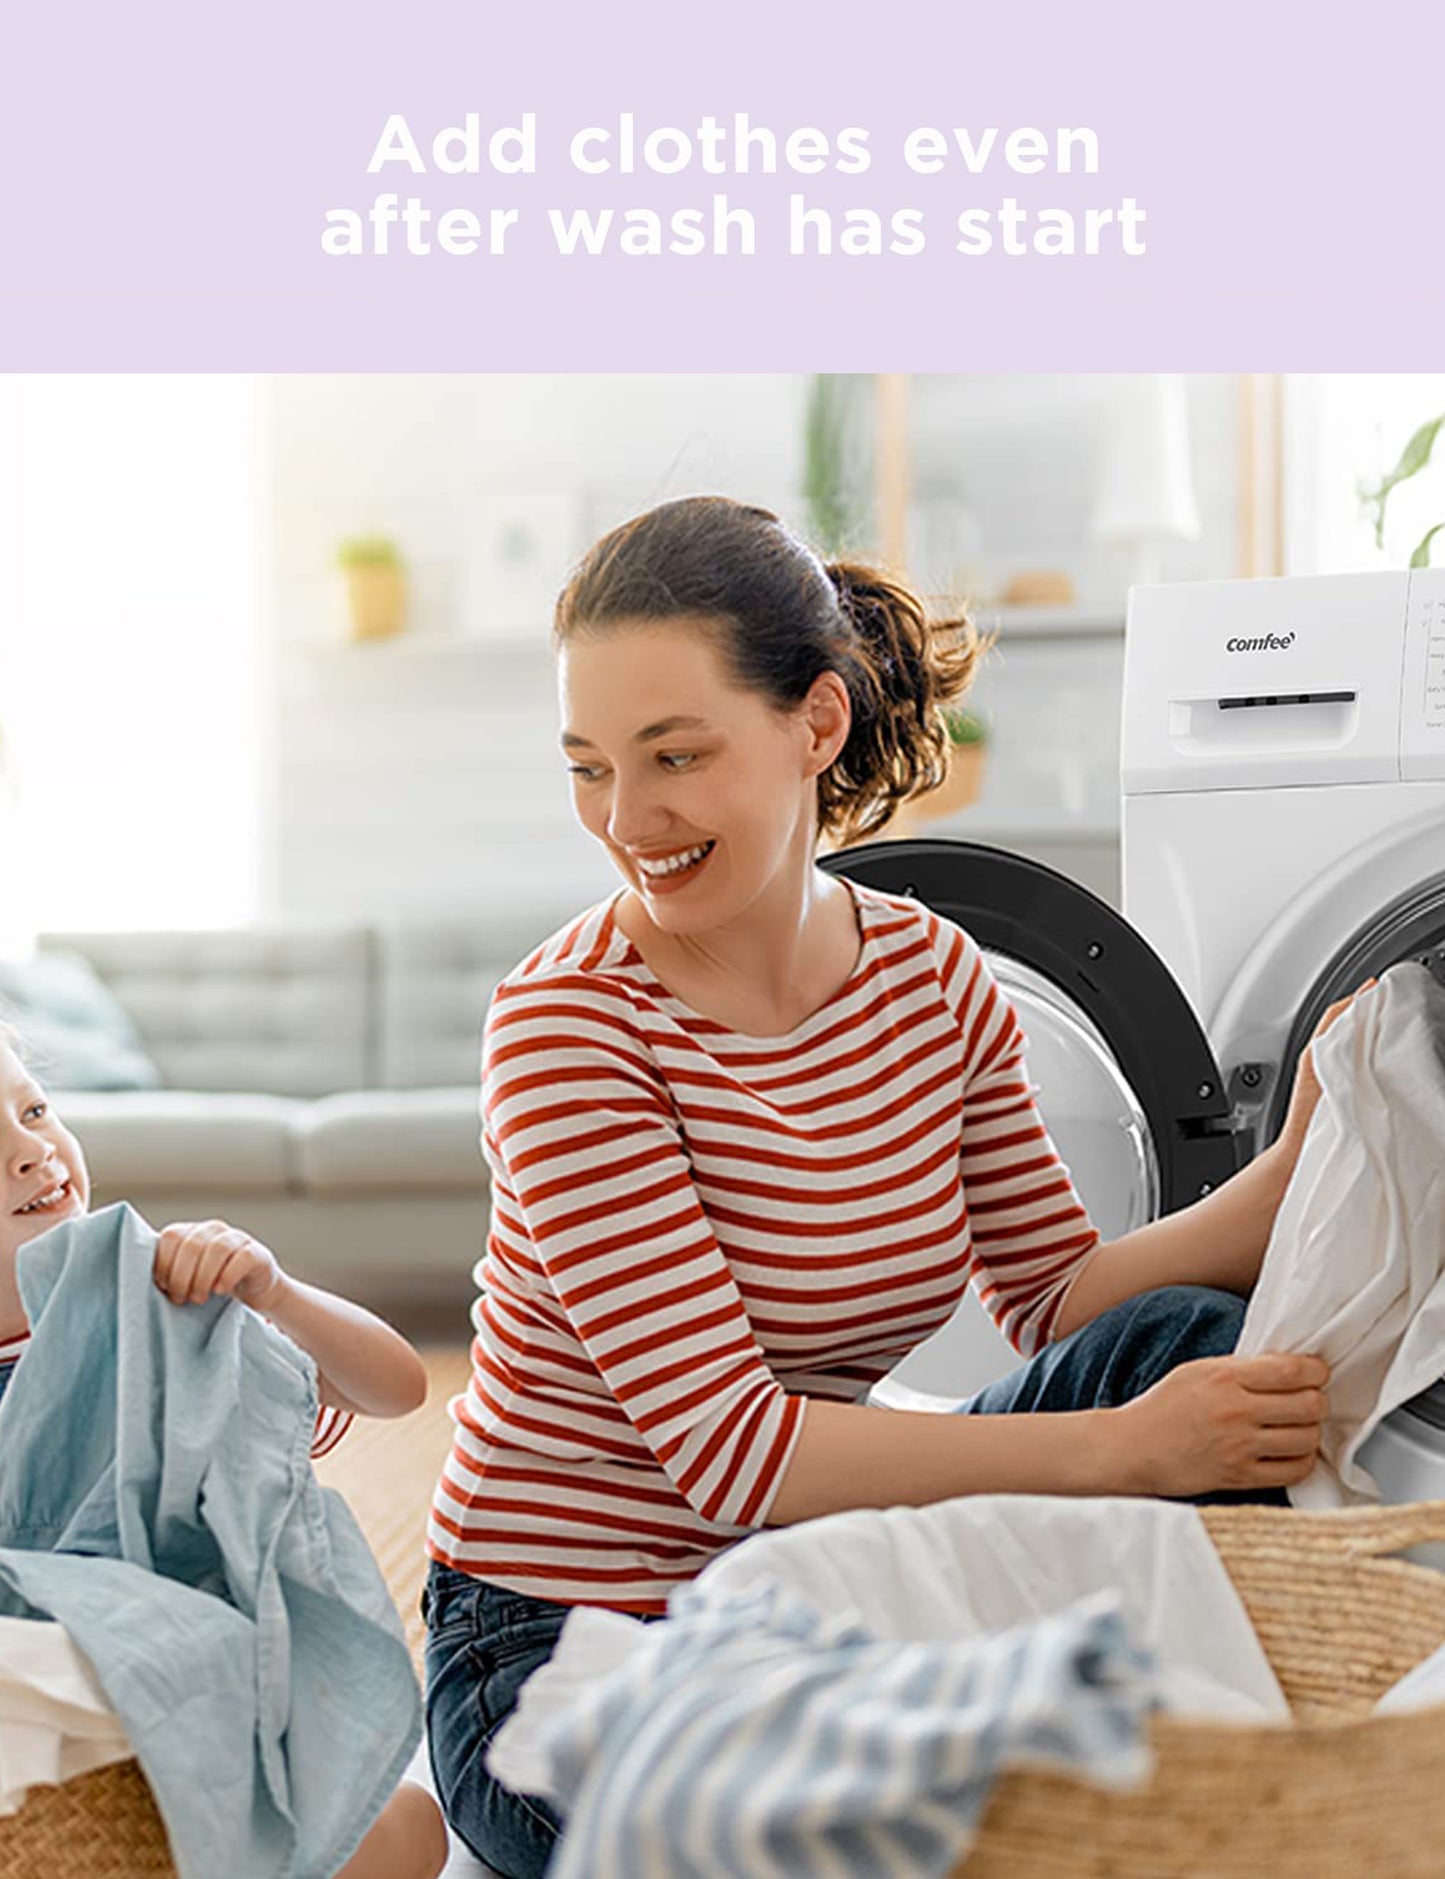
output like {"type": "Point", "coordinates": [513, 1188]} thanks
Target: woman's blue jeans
{"type": "Point", "coordinates": [484, 1642]}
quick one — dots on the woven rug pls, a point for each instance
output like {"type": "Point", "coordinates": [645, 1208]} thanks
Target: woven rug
{"type": "Point", "coordinates": [387, 1471]}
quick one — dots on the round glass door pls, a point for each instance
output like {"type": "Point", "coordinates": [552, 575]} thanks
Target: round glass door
{"type": "Point", "coordinates": [1096, 1121]}
{"type": "Point", "coordinates": [1098, 1125]}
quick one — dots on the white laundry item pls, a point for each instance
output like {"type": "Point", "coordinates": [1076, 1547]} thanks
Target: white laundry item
{"type": "Point", "coordinates": [1355, 1268]}
{"type": "Point", "coordinates": [1420, 1688]}
{"type": "Point", "coordinates": [960, 1569]}
{"type": "Point", "coordinates": [986, 1562]}
{"type": "Point", "coordinates": [54, 1720]}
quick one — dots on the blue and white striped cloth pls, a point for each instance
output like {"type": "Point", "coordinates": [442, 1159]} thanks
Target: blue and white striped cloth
{"type": "Point", "coordinates": [758, 1739]}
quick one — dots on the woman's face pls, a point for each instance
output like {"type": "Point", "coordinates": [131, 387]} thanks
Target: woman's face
{"type": "Point", "coordinates": [702, 792]}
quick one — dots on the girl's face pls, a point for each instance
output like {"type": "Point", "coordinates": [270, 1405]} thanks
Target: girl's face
{"type": "Point", "coordinates": [43, 1177]}
{"type": "Point", "coordinates": [702, 792]}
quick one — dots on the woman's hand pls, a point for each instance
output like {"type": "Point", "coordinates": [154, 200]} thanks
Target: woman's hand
{"type": "Point", "coordinates": [196, 1259]}
{"type": "Point", "coordinates": [1225, 1422]}
{"type": "Point", "coordinates": [1306, 1092]}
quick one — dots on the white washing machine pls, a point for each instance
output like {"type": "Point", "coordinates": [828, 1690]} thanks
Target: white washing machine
{"type": "Point", "coordinates": [1284, 838]}
{"type": "Point", "coordinates": [1284, 833]}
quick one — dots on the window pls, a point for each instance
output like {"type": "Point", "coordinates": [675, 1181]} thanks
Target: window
{"type": "Point", "coordinates": [1341, 429]}
{"type": "Point", "coordinates": [129, 651]}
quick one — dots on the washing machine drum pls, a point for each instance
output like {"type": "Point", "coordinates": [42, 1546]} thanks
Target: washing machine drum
{"type": "Point", "coordinates": [1127, 1083]}
{"type": "Point", "coordinates": [1406, 1454]}
{"type": "Point", "coordinates": [1411, 927]}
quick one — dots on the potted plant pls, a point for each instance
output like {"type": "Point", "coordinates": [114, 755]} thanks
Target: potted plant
{"type": "Point", "coordinates": [967, 751]}
{"type": "Point", "coordinates": [375, 578]}
{"type": "Point", "coordinates": [968, 737]}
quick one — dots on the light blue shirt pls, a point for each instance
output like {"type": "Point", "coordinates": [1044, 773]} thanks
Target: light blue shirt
{"type": "Point", "coordinates": [157, 1498]}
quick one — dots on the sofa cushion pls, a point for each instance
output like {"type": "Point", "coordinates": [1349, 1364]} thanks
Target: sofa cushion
{"type": "Point", "coordinates": [158, 1137]}
{"type": "Point", "coordinates": [370, 1141]}
{"type": "Point", "coordinates": [73, 1031]}
{"type": "Point", "coordinates": [436, 982]}
{"type": "Point", "coordinates": [284, 1009]}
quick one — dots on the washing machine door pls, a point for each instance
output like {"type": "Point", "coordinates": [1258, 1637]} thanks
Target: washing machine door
{"type": "Point", "coordinates": [1128, 1085]}
{"type": "Point", "coordinates": [1379, 907]}
{"type": "Point", "coordinates": [1298, 984]}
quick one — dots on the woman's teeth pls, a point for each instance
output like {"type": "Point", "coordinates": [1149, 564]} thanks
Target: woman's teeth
{"type": "Point", "coordinates": [44, 1202]}
{"type": "Point", "coordinates": [675, 864]}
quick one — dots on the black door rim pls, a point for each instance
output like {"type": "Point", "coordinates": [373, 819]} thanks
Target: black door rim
{"type": "Point", "coordinates": [1031, 913]}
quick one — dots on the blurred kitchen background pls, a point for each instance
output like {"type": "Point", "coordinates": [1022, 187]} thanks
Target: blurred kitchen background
{"type": "Point", "coordinates": [275, 649]}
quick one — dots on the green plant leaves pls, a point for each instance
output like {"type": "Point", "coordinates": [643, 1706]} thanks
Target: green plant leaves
{"type": "Point", "coordinates": [368, 551]}
{"type": "Point", "coordinates": [1421, 556]}
{"type": "Point", "coordinates": [1413, 459]}
{"type": "Point", "coordinates": [827, 488]}
{"type": "Point", "coordinates": [965, 727]}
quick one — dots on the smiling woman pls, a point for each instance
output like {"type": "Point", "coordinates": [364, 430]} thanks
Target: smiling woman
{"type": "Point", "coordinates": [752, 1130]}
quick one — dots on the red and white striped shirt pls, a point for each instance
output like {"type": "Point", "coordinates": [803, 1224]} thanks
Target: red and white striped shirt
{"type": "Point", "coordinates": [331, 1424]}
{"type": "Point", "coordinates": [694, 1230]}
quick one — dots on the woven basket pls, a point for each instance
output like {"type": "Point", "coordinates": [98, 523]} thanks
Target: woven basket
{"type": "Point", "coordinates": [1340, 1796]}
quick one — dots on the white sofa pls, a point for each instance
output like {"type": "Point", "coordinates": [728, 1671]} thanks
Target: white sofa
{"type": "Point", "coordinates": [319, 1089]}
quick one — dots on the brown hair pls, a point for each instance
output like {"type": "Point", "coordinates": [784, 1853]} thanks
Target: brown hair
{"type": "Point", "coordinates": [786, 617]}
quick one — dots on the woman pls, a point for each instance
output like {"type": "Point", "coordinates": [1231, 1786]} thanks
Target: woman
{"type": "Point", "coordinates": [752, 1129]}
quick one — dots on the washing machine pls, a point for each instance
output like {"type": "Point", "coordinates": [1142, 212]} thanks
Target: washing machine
{"type": "Point", "coordinates": [1283, 826]}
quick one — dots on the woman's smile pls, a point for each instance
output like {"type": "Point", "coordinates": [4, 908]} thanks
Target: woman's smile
{"type": "Point", "coordinates": [665, 874]}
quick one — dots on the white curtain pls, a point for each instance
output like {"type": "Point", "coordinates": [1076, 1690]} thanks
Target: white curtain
{"type": "Point", "coordinates": [129, 652]}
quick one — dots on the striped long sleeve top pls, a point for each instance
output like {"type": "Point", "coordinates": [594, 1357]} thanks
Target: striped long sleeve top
{"type": "Point", "coordinates": [695, 1230]}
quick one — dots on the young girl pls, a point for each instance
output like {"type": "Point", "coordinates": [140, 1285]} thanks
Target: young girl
{"type": "Point", "coordinates": [363, 1366]}
{"type": "Point", "coordinates": [752, 1130]}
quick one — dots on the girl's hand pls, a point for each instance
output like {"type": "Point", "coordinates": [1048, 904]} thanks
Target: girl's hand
{"type": "Point", "coordinates": [1306, 1092]}
{"type": "Point", "coordinates": [1225, 1422]}
{"type": "Point", "coordinates": [196, 1260]}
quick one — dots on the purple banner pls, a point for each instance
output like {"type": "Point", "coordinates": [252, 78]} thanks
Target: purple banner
{"type": "Point", "coordinates": [646, 186]}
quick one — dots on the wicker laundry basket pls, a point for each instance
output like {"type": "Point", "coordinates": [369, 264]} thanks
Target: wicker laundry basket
{"type": "Point", "coordinates": [1339, 1796]}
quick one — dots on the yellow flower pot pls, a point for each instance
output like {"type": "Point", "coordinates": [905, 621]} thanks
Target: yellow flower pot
{"type": "Point", "coordinates": [375, 599]}
{"type": "Point", "coordinates": [960, 787]}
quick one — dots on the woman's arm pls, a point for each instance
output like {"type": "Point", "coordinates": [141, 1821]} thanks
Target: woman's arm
{"type": "Point", "coordinates": [1220, 1422]}
{"type": "Point", "coordinates": [1219, 1240]}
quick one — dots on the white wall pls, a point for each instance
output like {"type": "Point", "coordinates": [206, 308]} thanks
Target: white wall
{"type": "Point", "coordinates": [421, 775]}
{"type": "Point", "coordinates": [1005, 471]}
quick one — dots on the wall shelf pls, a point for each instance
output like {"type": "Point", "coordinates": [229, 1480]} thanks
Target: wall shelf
{"type": "Point", "coordinates": [416, 648]}
{"type": "Point", "coordinates": [1051, 622]}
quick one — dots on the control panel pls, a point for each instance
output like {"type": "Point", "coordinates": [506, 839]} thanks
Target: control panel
{"type": "Point", "coordinates": [1422, 714]}
{"type": "Point", "coordinates": [1276, 682]}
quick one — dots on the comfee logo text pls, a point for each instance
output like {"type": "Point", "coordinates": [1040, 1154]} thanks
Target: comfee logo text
{"type": "Point", "coordinates": [1268, 642]}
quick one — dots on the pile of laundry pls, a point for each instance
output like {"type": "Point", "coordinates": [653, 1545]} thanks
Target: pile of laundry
{"type": "Point", "coordinates": [766, 1728]}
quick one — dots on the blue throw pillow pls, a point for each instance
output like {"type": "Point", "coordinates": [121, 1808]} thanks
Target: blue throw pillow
{"type": "Point", "coordinates": [76, 1034]}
